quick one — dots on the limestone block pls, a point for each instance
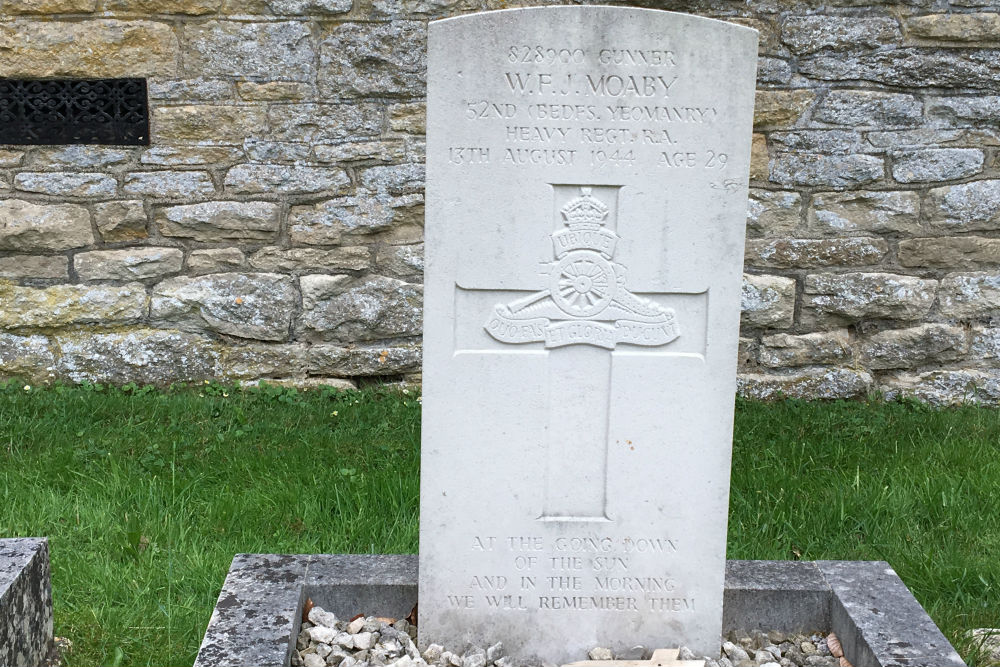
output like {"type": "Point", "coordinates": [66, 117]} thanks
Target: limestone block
{"type": "Point", "coordinates": [62, 305]}
{"type": "Point", "coordinates": [399, 179]}
{"type": "Point", "coordinates": [191, 89]}
{"type": "Point", "coordinates": [936, 164]}
{"type": "Point", "coordinates": [218, 124]}
{"type": "Point", "coordinates": [284, 179]}
{"type": "Point", "coordinates": [832, 142]}
{"type": "Point", "coordinates": [845, 297]}
{"type": "Point", "coordinates": [25, 356]}
{"type": "Point", "coordinates": [985, 343]}
{"type": "Point", "coordinates": [833, 171]}
{"type": "Point", "coordinates": [397, 219]}
{"type": "Point", "coordinates": [253, 305]}
{"type": "Point", "coordinates": [409, 118]}
{"type": "Point", "coordinates": [821, 347]}
{"type": "Point", "coordinates": [915, 346]}
{"type": "Point", "coordinates": [50, 6]}
{"type": "Point", "coordinates": [121, 221]}
{"type": "Point", "coordinates": [67, 184]}
{"type": "Point", "coordinates": [808, 34]}
{"type": "Point", "coordinates": [34, 266]}
{"type": "Point", "coordinates": [363, 360]}
{"type": "Point", "coordinates": [769, 33]}
{"type": "Point", "coordinates": [128, 264]}
{"type": "Point", "coordinates": [383, 59]}
{"type": "Point", "coordinates": [287, 7]}
{"type": "Point", "coordinates": [178, 156]}
{"type": "Point", "coordinates": [964, 111]}
{"type": "Point", "coordinates": [397, 9]}
{"type": "Point", "coordinates": [279, 51]}
{"type": "Point", "coordinates": [276, 151]}
{"type": "Point", "coordinates": [140, 355]}
{"type": "Point", "coordinates": [767, 301]}
{"type": "Point", "coordinates": [773, 71]}
{"type": "Point", "coordinates": [316, 123]}
{"type": "Point", "coordinates": [402, 261]}
{"type": "Point", "coordinates": [80, 157]}
{"type": "Point", "coordinates": [311, 260]}
{"type": "Point", "coordinates": [773, 213]}
{"type": "Point", "coordinates": [28, 226]}
{"type": "Point", "coordinates": [961, 28]}
{"type": "Point", "coordinates": [215, 260]}
{"type": "Point", "coordinates": [910, 68]}
{"type": "Point", "coordinates": [170, 184]}
{"type": "Point", "coordinates": [215, 221]}
{"type": "Point", "coordinates": [914, 138]}
{"type": "Point", "coordinates": [863, 211]}
{"type": "Point", "coordinates": [11, 158]}
{"type": "Point", "coordinates": [746, 353]}
{"type": "Point", "coordinates": [273, 91]}
{"type": "Point", "coordinates": [759, 158]}
{"type": "Point", "coordinates": [372, 151]}
{"type": "Point", "coordinates": [780, 108]}
{"type": "Point", "coordinates": [959, 252]}
{"type": "Point", "coordinates": [811, 253]}
{"type": "Point", "coordinates": [346, 309]}
{"type": "Point", "coordinates": [870, 108]}
{"type": "Point", "coordinates": [967, 207]}
{"type": "Point", "coordinates": [970, 295]}
{"type": "Point", "coordinates": [944, 387]}
{"type": "Point", "coordinates": [252, 361]}
{"type": "Point", "coordinates": [829, 383]}
{"type": "Point", "coordinates": [188, 7]}
{"type": "Point", "coordinates": [94, 48]}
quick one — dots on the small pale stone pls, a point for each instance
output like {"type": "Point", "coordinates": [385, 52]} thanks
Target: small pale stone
{"type": "Point", "coordinates": [936, 164]}
{"type": "Point", "coordinates": [356, 625]}
{"type": "Point", "coordinates": [684, 653]}
{"type": "Point", "coordinates": [734, 652]}
{"type": "Point", "coordinates": [313, 660]}
{"type": "Point", "coordinates": [807, 648]}
{"type": "Point", "coordinates": [170, 184]}
{"type": "Point", "coordinates": [768, 300]}
{"type": "Point", "coordinates": [67, 184]}
{"type": "Point", "coordinates": [322, 633]}
{"type": "Point", "coordinates": [433, 653]}
{"type": "Point", "coordinates": [759, 157]}
{"type": "Point", "coordinates": [121, 221]}
{"type": "Point", "coordinates": [320, 616]}
{"type": "Point", "coordinates": [494, 652]}
{"type": "Point", "coordinates": [130, 264]}
{"type": "Point", "coordinates": [363, 640]}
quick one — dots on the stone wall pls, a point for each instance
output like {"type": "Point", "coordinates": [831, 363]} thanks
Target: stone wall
{"type": "Point", "coordinates": [273, 227]}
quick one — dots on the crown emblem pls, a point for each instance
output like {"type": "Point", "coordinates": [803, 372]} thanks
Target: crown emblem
{"type": "Point", "coordinates": [585, 211]}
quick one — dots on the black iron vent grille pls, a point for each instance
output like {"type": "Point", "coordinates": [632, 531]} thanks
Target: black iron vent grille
{"type": "Point", "coordinates": [74, 111]}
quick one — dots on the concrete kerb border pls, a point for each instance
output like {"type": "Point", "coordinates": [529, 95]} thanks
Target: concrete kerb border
{"type": "Point", "coordinates": [25, 601]}
{"type": "Point", "coordinates": [873, 613]}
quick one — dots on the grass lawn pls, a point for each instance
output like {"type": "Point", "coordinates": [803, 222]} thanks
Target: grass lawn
{"type": "Point", "coordinates": [146, 495]}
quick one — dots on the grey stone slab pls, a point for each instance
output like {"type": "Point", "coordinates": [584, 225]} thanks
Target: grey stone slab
{"type": "Point", "coordinates": [378, 585]}
{"type": "Point", "coordinates": [879, 622]}
{"type": "Point", "coordinates": [789, 596]}
{"type": "Point", "coordinates": [25, 602]}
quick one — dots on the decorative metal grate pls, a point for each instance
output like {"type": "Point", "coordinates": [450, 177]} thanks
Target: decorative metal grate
{"type": "Point", "coordinates": [74, 111]}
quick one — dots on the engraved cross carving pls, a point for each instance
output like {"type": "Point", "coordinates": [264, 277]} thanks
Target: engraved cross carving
{"type": "Point", "coordinates": [585, 310]}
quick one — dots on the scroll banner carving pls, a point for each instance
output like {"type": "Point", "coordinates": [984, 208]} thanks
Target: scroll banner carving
{"type": "Point", "coordinates": [505, 327]}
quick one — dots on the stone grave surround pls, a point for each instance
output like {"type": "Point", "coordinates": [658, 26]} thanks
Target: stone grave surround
{"type": "Point", "coordinates": [586, 184]}
{"type": "Point", "coordinates": [286, 170]}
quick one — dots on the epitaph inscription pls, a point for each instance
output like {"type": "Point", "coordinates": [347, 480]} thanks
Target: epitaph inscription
{"type": "Point", "coordinates": [587, 171]}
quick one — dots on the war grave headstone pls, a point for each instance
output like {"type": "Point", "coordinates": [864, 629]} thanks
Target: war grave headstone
{"type": "Point", "coordinates": [587, 173]}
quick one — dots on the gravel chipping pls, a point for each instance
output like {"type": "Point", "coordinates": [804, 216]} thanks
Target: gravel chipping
{"type": "Point", "coordinates": [326, 640]}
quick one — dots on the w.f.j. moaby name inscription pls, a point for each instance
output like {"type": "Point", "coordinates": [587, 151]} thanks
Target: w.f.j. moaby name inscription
{"type": "Point", "coordinates": [586, 193]}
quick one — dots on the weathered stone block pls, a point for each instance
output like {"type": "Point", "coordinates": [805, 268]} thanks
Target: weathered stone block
{"type": "Point", "coordinates": [273, 91]}
{"type": "Point", "coordinates": [910, 68]}
{"type": "Point", "coordinates": [964, 111]}
{"type": "Point", "coordinates": [396, 9]}
{"type": "Point", "coordinates": [870, 108]}
{"type": "Point", "coordinates": [141, 355]}
{"type": "Point", "coordinates": [916, 346]}
{"type": "Point", "coordinates": [215, 260]}
{"type": "Point", "coordinates": [970, 295]}
{"type": "Point", "coordinates": [397, 179]}
{"type": "Point", "coordinates": [316, 123]}
{"type": "Point", "coordinates": [391, 150]}
{"type": "Point", "coordinates": [985, 343]}
{"type": "Point", "coordinates": [384, 59]}
{"type": "Point", "coordinates": [759, 158]}
{"type": "Point", "coordinates": [833, 171]}
{"type": "Point", "coordinates": [862, 211]}
{"type": "Point", "coordinates": [780, 108]}
{"type": "Point", "coordinates": [96, 48]}
{"type": "Point", "coordinates": [821, 347]}
{"type": "Point", "coordinates": [966, 207]}
{"type": "Point", "coordinates": [66, 184]}
{"type": "Point", "coordinates": [400, 219]}
{"type": "Point", "coordinates": [773, 71]}
{"type": "Point", "coordinates": [945, 387]}
{"type": "Point", "coordinates": [403, 261]}
{"type": "Point", "coordinates": [818, 141]}
{"type": "Point", "coordinates": [28, 226]}
{"type": "Point", "coordinates": [767, 301]}
{"type": "Point", "coordinates": [255, 305]}
{"type": "Point", "coordinates": [189, 7]}
{"type": "Point", "coordinates": [914, 138]}
{"type": "Point", "coordinates": [808, 34]}
{"type": "Point", "coordinates": [961, 28]}
{"type": "Point", "coordinates": [34, 266]}
{"type": "Point", "coordinates": [220, 221]}
{"type": "Point", "coordinates": [936, 164]}
{"type": "Point", "coordinates": [808, 253]}
{"type": "Point", "coordinates": [79, 157]}
{"type": "Point", "coordinates": [829, 383]}
{"type": "Point", "coordinates": [280, 51]}
{"type": "Point", "coordinates": [273, 152]}
{"type": "Point", "coordinates": [311, 260]}
{"type": "Point", "coordinates": [62, 305]}
{"type": "Point", "coordinates": [773, 213]}
{"type": "Point", "coordinates": [287, 7]}
{"type": "Point", "coordinates": [346, 309]}
{"type": "Point", "coordinates": [170, 184]}
{"type": "Point", "coordinates": [128, 264]}
{"type": "Point", "coordinates": [284, 179]}
{"type": "Point", "coordinates": [191, 89]}
{"type": "Point", "coordinates": [255, 361]}
{"type": "Point", "coordinates": [178, 156]}
{"type": "Point", "coordinates": [746, 353]}
{"type": "Point", "coordinates": [25, 356]}
{"type": "Point", "coordinates": [959, 252]}
{"type": "Point", "coordinates": [846, 297]}
{"type": "Point", "coordinates": [409, 118]}
{"type": "Point", "coordinates": [215, 123]}
{"type": "Point", "coordinates": [121, 221]}
{"type": "Point", "coordinates": [11, 158]}
{"type": "Point", "coordinates": [365, 360]}
{"type": "Point", "coordinates": [50, 6]}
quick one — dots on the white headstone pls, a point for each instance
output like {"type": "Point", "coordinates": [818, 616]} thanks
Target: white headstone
{"type": "Point", "coordinates": [587, 175]}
